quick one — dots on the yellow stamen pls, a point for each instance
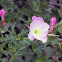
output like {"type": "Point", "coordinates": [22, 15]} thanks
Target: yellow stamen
{"type": "Point", "coordinates": [36, 31]}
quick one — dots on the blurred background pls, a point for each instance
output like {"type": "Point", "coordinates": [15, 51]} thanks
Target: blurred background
{"type": "Point", "coordinates": [23, 10]}
{"type": "Point", "coordinates": [14, 46]}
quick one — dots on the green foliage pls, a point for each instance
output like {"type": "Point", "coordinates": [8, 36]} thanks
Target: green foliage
{"type": "Point", "coordinates": [14, 43]}
{"type": "Point", "coordinates": [60, 27]}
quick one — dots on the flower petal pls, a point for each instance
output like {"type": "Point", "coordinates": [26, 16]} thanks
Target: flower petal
{"type": "Point", "coordinates": [34, 18]}
{"type": "Point", "coordinates": [30, 36]}
{"type": "Point", "coordinates": [44, 39]}
{"type": "Point", "coordinates": [36, 24]}
{"type": "Point", "coordinates": [44, 34]}
{"type": "Point", "coordinates": [45, 26]}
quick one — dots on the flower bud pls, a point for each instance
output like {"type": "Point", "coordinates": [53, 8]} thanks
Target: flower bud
{"type": "Point", "coordinates": [53, 22]}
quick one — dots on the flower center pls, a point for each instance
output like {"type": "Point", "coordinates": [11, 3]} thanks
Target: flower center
{"type": "Point", "coordinates": [36, 31]}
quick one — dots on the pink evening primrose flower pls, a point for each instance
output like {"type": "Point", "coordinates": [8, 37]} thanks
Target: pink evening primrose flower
{"type": "Point", "coordinates": [38, 29]}
{"type": "Point", "coordinates": [2, 12]}
{"type": "Point", "coordinates": [53, 22]}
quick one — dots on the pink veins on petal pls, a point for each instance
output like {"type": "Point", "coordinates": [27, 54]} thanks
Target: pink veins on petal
{"type": "Point", "coordinates": [38, 29]}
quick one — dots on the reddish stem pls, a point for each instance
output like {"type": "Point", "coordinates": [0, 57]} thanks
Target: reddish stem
{"type": "Point", "coordinates": [27, 26]}
{"type": "Point", "coordinates": [50, 31]}
{"type": "Point", "coordinates": [3, 23]}
{"type": "Point", "coordinates": [8, 58]}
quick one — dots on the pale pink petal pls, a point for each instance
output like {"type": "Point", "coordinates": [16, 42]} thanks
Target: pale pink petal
{"type": "Point", "coordinates": [34, 18]}
{"type": "Point", "coordinates": [45, 27]}
{"type": "Point", "coordinates": [30, 36]}
{"type": "Point", "coordinates": [39, 18]}
{"type": "Point", "coordinates": [44, 34]}
{"type": "Point", "coordinates": [36, 24]}
{"type": "Point", "coordinates": [38, 37]}
{"type": "Point", "coordinates": [44, 39]}
{"type": "Point", "coordinates": [40, 26]}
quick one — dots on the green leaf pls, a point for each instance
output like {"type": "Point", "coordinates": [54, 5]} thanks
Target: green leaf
{"type": "Point", "coordinates": [4, 60]}
{"type": "Point", "coordinates": [60, 27]}
{"type": "Point", "coordinates": [53, 35]}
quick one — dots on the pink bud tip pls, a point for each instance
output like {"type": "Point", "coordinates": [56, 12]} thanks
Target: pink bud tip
{"type": "Point", "coordinates": [2, 13]}
{"type": "Point", "coordinates": [53, 22]}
